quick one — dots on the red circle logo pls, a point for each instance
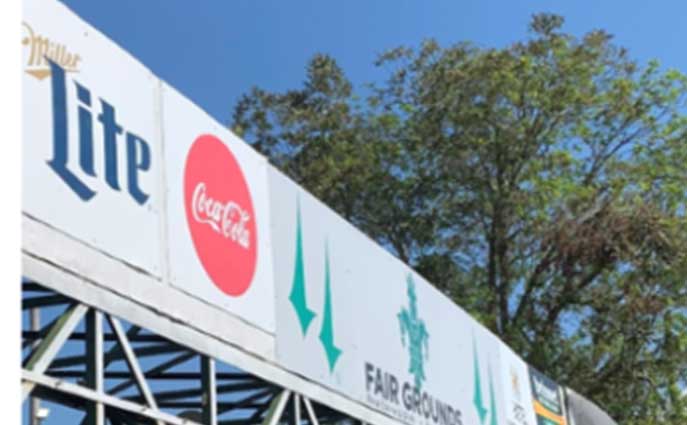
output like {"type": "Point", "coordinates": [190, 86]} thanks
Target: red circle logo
{"type": "Point", "coordinates": [220, 216]}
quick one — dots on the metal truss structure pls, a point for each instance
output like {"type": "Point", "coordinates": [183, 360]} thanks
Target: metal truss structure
{"type": "Point", "coordinates": [115, 372]}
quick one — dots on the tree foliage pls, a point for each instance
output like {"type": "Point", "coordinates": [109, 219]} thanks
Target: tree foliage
{"type": "Point", "coordinates": [542, 186]}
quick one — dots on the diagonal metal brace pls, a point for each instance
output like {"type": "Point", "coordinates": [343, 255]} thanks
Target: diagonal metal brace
{"type": "Point", "coordinates": [46, 351]}
{"type": "Point", "coordinates": [277, 406]}
{"type": "Point", "coordinates": [311, 411]}
{"type": "Point", "coordinates": [132, 362]}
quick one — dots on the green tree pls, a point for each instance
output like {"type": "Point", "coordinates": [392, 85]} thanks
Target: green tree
{"type": "Point", "coordinates": [542, 186]}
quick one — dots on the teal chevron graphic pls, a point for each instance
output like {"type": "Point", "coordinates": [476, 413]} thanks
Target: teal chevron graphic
{"type": "Point", "coordinates": [297, 296]}
{"type": "Point", "coordinates": [492, 404]}
{"type": "Point", "coordinates": [327, 331]}
{"type": "Point", "coordinates": [418, 337]}
{"type": "Point", "coordinates": [477, 399]}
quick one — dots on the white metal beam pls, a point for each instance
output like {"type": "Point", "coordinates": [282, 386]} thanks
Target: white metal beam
{"type": "Point", "coordinates": [65, 387]}
{"type": "Point", "coordinates": [296, 409]}
{"type": "Point", "coordinates": [35, 403]}
{"type": "Point", "coordinates": [311, 412]}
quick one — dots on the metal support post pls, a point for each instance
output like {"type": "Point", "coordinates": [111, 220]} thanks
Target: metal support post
{"type": "Point", "coordinates": [209, 385]}
{"type": "Point", "coordinates": [95, 411]}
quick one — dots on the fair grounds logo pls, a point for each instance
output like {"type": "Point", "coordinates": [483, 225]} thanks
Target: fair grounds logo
{"type": "Point", "coordinates": [298, 299]}
{"type": "Point", "coordinates": [414, 335]}
{"type": "Point", "coordinates": [40, 48]}
{"type": "Point", "coordinates": [409, 400]}
{"type": "Point", "coordinates": [414, 329]}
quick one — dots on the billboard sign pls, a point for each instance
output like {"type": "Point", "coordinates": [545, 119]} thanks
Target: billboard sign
{"type": "Point", "coordinates": [356, 319]}
{"type": "Point", "coordinates": [217, 213]}
{"type": "Point", "coordinates": [120, 161]}
{"type": "Point", "coordinates": [547, 399]}
{"type": "Point", "coordinates": [91, 155]}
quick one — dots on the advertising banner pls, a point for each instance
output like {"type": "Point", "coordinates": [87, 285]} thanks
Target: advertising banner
{"type": "Point", "coordinates": [547, 399]}
{"type": "Point", "coordinates": [217, 213]}
{"type": "Point", "coordinates": [356, 319]}
{"type": "Point", "coordinates": [125, 165]}
{"type": "Point", "coordinates": [90, 153]}
{"type": "Point", "coordinates": [517, 389]}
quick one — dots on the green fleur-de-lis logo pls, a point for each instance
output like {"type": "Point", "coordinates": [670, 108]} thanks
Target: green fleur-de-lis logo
{"type": "Point", "coordinates": [300, 305]}
{"type": "Point", "coordinates": [414, 335]}
{"type": "Point", "coordinates": [478, 401]}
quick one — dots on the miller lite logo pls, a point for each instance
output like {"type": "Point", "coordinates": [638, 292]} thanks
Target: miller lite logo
{"type": "Point", "coordinates": [78, 176]}
{"type": "Point", "coordinates": [40, 49]}
{"type": "Point", "coordinates": [220, 216]}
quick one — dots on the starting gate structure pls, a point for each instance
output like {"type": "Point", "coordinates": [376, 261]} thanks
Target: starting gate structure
{"type": "Point", "coordinates": [173, 276]}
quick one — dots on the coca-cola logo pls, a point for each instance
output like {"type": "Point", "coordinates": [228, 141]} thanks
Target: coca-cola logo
{"type": "Point", "coordinates": [220, 216]}
{"type": "Point", "coordinates": [228, 219]}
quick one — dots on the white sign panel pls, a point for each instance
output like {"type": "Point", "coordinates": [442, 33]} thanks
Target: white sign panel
{"type": "Point", "coordinates": [515, 381]}
{"type": "Point", "coordinates": [90, 154]}
{"type": "Point", "coordinates": [315, 333]}
{"type": "Point", "coordinates": [217, 213]}
{"type": "Point", "coordinates": [359, 321]}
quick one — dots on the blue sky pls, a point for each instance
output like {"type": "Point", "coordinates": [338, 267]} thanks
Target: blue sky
{"type": "Point", "coordinates": [213, 51]}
